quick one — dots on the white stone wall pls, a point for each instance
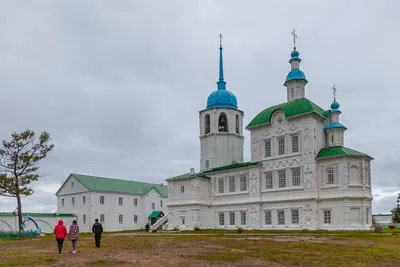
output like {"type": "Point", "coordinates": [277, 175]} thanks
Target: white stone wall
{"type": "Point", "coordinates": [45, 223]}
{"type": "Point", "coordinates": [221, 148]}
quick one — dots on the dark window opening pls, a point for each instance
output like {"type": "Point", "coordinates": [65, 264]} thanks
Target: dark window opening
{"type": "Point", "coordinates": [207, 123]}
{"type": "Point", "coordinates": [237, 124]}
{"type": "Point", "coordinates": [222, 123]}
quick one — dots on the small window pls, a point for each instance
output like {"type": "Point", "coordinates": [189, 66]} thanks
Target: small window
{"type": "Point", "coordinates": [207, 124]}
{"type": "Point", "coordinates": [268, 180]}
{"type": "Point", "coordinates": [327, 216]}
{"type": "Point", "coordinates": [268, 148]}
{"type": "Point", "coordinates": [135, 219]}
{"type": "Point", "coordinates": [231, 218]}
{"type": "Point", "coordinates": [295, 143]}
{"type": "Point", "coordinates": [243, 183]}
{"type": "Point", "coordinates": [367, 215]}
{"type": "Point", "coordinates": [281, 217]}
{"type": "Point", "coordinates": [296, 177]}
{"type": "Point", "coordinates": [161, 204]}
{"type": "Point", "coordinates": [207, 163]}
{"type": "Point", "coordinates": [121, 218]}
{"type": "Point", "coordinates": [232, 184]}
{"type": "Point", "coordinates": [281, 146]}
{"type": "Point", "coordinates": [183, 221]}
{"type": "Point", "coordinates": [120, 201]}
{"type": "Point", "coordinates": [221, 186]}
{"type": "Point", "coordinates": [295, 216]}
{"type": "Point", "coordinates": [332, 138]}
{"type": "Point", "coordinates": [72, 184]}
{"type": "Point", "coordinates": [243, 218]}
{"type": "Point", "coordinates": [331, 176]}
{"type": "Point", "coordinates": [101, 199]}
{"type": "Point", "coordinates": [153, 206]}
{"type": "Point", "coordinates": [237, 124]}
{"type": "Point", "coordinates": [282, 178]}
{"type": "Point", "coordinates": [221, 218]}
{"type": "Point", "coordinates": [62, 202]}
{"type": "Point", "coordinates": [268, 217]}
{"type": "Point", "coordinates": [84, 199]}
{"type": "Point", "coordinates": [73, 201]}
{"type": "Point", "coordinates": [135, 201]}
{"type": "Point", "coordinates": [222, 123]}
{"type": "Point", "coordinates": [182, 189]}
{"type": "Point", "coordinates": [84, 218]}
{"type": "Point", "coordinates": [102, 218]}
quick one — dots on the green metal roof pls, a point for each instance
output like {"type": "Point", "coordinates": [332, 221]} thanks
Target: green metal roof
{"type": "Point", "coordinates": [188, 175]}
{"type": "Point", "coordinates": [339, 151]}
{"type": "Point", "coordinates": [155, 214]}
{"type": "Point", "coordinates": [38, 214]}
{"type": "Point", "coordinates": [292, 108]}
{"type": "Point", "coordinates": [95, 183]}
{"type": "Point", "coordinates": [232, 166]}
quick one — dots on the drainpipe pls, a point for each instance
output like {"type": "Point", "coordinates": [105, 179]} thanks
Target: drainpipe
{"type": "Point", "coordinates": [90, 211]}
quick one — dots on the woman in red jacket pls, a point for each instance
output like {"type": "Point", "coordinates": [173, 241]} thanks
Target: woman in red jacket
{"type": "Point", "coordinates": [61, 232]}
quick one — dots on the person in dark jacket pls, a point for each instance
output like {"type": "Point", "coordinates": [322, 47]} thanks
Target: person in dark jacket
{"type": "Point", "coordinates": [147, 227]}
{"type": "Point", "coordinates": [61, 232]}
{"type": "Point", "coordinates": [97, 229]}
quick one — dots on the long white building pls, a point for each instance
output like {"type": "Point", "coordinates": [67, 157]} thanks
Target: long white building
{"type": "Point", "coordinates": [301, 175]}
{"type": "Point", "coordinates": [118, 204]}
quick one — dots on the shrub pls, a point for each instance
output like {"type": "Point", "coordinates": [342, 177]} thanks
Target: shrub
{"type": "Point", "coordinates": [196, 228]}
{"type": "Point", "coordinates": [240, 230]}
{"type": "Point", "coordinates": [16, 234]}
{"type": "Point", "coordinates": [378, 228]}
{"type": "Point", "coordinates": [392, 226]}
{"type": "Point", "coordinates": [175, 229]}
{"type": "Point", "coordinates": [304, 230]}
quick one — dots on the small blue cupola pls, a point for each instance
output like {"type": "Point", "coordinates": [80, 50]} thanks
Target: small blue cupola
{"type": "Point", "coordinates": [334, 130]}
{"type": "Point", "coordinates": [295, 72]}
{"type": "Point", "coordinates": [221, 98]}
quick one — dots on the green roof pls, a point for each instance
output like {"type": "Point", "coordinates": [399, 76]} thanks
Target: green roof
{"type": "Point", "coordinates": [155, 214]}
{"type": "Point", "coordinates": [232, 166]}
{"type": "Point", "coordinates": [292, 108]}
{"type": "Point", "coordinates": [95, 183]}
{"type": "Point", "coordinates": [339, 151]}
{"type": "Point", "coordinates": [187, 176]}
{"type": "Point", "coordinates": [37, 214]}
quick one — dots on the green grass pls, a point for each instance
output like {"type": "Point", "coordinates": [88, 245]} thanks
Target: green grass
{"type": "Point", "coordinates": [288, 248]}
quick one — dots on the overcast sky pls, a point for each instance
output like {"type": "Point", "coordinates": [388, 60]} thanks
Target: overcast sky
{"type": "Point", "coordinates": [118, 84]}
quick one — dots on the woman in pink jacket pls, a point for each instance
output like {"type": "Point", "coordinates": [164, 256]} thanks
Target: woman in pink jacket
{"type": "Point", "coordinates": [61, 232]}
{"type": "Point", "coordinates": [73, 234]}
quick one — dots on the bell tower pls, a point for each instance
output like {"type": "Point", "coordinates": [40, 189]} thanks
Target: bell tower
{"type": "Point", "coordinates": [221, 126]}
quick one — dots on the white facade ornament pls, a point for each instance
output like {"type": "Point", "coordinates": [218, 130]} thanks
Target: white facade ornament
{"type": "Point", "coordinates": [253, 183]}
{"type": "Point", "coordinates": [307, 215]}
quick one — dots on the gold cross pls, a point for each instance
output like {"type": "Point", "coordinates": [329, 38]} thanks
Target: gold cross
{"type": "Point", "coordinates": [220, 39]}
{"type": "Point", "coordinates": [294, 38]}
{"type": "Point", "coordinates": [334, 92]}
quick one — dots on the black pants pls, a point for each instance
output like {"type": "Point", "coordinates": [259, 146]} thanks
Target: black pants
{"type": "Point", "coordinates": [60, 242]}
{"type": "Point", "coordinates": [97, 238]}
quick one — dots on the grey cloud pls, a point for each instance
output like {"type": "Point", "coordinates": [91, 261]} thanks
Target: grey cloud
{"type": "Point", "coordinates": [119, 85]}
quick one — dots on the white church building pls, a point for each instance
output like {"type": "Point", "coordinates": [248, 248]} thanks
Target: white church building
{"type": "Point", "coordinates": [301, 175]}
{"type": "Point", "coordinates": [118, 204]}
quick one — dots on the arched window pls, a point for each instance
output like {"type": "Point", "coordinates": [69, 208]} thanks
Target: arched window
{"type": "Point", "coordinates": [331, 176]}
{"type": "Point", "coordinates": [332, 138]}
{"type": "Point", "coordinates": [237, 124]}
{"type": "Point", "coordinates": [207, 123]}
{"type": "Point", "coordinates": [222, 123]}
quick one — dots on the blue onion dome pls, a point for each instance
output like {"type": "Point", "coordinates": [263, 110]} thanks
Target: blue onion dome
{"type": "Point", "coordinates": [335, 106]}
{"type": "Point", "coordinates": [295, 74]}
{"type": "Point", "coordinates": [295, 54]}
{"type": "Point", "coordinates": [221, 99]}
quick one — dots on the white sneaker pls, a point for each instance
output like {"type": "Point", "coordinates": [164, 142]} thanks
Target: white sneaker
{"type": "Point", "coordinates": [74, 251]}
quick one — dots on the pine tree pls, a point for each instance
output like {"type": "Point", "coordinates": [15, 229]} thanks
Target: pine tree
{"type": "Point", "coordinates": [19, 160]}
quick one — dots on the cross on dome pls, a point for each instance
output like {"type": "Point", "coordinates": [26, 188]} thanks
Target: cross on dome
{"type": "Point", "coordinates": [220, 39]}
{"type": "Point", "coordinates": [294, 38]}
